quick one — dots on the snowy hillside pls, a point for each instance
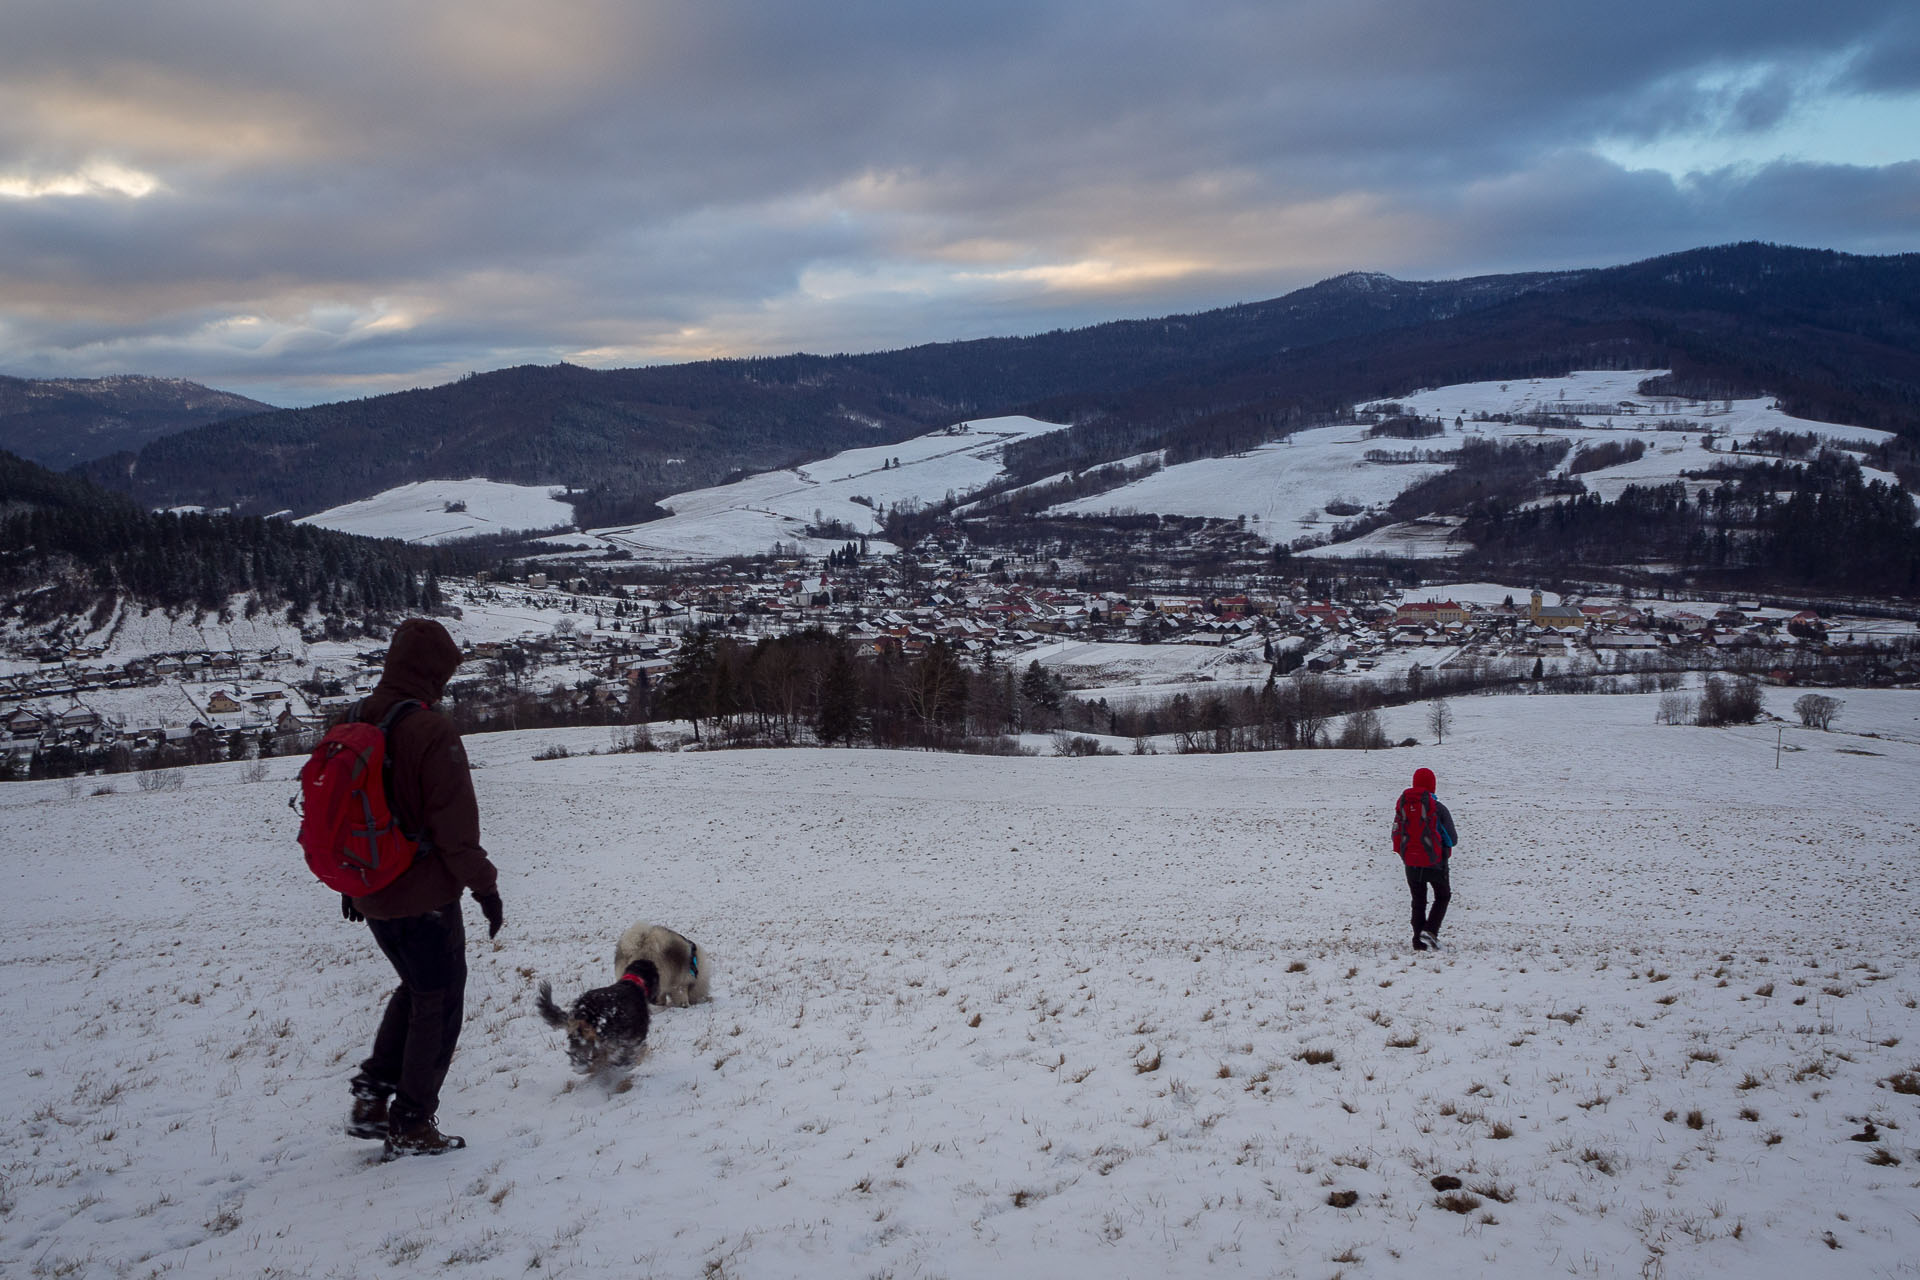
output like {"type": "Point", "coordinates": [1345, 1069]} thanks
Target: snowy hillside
{"type": "Point", "coordinates": [750, 515]}
{"type": "Point", "coordinates": [1014, 1017]}
{"type": "Point", "coordinates": [445, 510]}
{"type": "Point", "coordinates": [1284, 488]}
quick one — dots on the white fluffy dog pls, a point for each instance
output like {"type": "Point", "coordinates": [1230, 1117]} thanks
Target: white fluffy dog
{"type": "Point", "coordinates": [685, 971]}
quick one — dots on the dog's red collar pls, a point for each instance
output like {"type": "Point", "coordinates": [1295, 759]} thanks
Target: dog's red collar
{"type": "Point", "coordinates": [639, 982]}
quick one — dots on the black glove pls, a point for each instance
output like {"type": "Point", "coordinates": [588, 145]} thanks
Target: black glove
{"type": "Point", "coordinates": [347, 910]}
{"type": "Point", "coordinates": [490, 908]}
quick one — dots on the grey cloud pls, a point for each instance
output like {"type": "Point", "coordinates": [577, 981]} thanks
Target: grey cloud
{"type": "Point", "coordinates": [607, 175]}
{"type": "Point", "coordinates": [1888, 59]}
{"type": "Point", "coordinates": [1763, 105]}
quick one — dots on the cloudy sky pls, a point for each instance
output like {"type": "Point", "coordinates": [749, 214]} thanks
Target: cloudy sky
{"type": "Point", "coordinates": [309, 201]}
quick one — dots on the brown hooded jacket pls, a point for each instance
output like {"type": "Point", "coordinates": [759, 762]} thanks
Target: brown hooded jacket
{"type": "Point", "coordinates": [432, 786]}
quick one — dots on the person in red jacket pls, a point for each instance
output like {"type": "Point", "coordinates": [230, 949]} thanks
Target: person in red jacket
{"type": "Point", "coordinates": [416, 919]}
{"type": "Point", "coordinates": [1423, 836]}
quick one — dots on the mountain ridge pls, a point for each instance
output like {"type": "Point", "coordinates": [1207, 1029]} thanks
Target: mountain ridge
{"type": "Point", "coordinates": [1837, 334]}
{"type": "Point", "coordinates": [61, 422]}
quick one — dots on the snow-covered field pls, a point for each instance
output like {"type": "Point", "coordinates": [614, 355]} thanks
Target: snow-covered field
{"type": "Point", "coordinates": [1020, 1017]}
{"type": "Point", "coordinates": [1619, 388]}
{"type": "Point", "coordinates": [1480, 593]}
{"type": "Point", "coordinates": [418, 512]}
{"type": "Point", "coordinates": [750, 515]}
{"type": "Point", "coordinates": [1436, 537]}
{"type": "Point", "coordinates": [1092, 662]}
{"type": "Point", "coordinates": [1283, 489]}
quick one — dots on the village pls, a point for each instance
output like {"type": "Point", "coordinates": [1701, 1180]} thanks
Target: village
{"type": "Point", "coordinates": [589, 649]}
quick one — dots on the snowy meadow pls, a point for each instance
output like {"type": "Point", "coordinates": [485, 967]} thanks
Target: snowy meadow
{"type": "Point", "coordinates": [1025, 1017]}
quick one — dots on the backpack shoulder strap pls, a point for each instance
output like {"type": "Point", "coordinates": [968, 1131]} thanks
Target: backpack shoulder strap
{"type": "Point", "coordinates": [395, 714]}
{"type": "Point", "coordinates": [398, 712]}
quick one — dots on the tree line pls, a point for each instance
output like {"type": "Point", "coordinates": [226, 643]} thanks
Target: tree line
{"type": "Point", "coordinates": [68, 547]}
{"type": "Point", "coordinates": [1821, 525]}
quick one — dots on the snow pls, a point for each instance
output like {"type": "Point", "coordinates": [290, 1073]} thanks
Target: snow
{"type": "Point", "coordinates": [1019, 1017]}
{"type": "Point", "coordinates": [418, 512]}
{"type": "Point", "coordinates": [1433, 538]}
{"type": "Point", "coordinates": [1619, 387]}
{"type": "Point", "coordinates": [1097, 663]}
{"type": "Point", "coordinates": [1153, 457]}
{"type": "Point", "coordinates": [1481, 593]}
{"type": "Point", "coordinates": [748, 516]}
{"type": "Point", "coordinates": [1283, 488]}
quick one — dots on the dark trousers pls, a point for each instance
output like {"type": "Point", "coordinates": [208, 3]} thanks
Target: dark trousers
{"type": "Point", "coordinates": [414, 1046]}
{"type": "Point", "coordinates": [1418, 878]}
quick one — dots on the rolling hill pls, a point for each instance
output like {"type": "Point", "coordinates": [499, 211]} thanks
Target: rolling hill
{"type": "Point", "coordinates": [627, 436]}
{"type": "Point", "coordinates": [59, 422]}
{"type": "Point", "coordinates": [1833, 337]}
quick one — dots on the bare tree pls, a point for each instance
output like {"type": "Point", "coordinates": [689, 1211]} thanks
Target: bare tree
{"type": "Point", "coordinates": [1315, 708]}
{"type": "Point", "coordinates": [1439, 719]}
{"type": "Point", "coordinates": [1817, 710]}
{"type": "Point", "coordinates": [1675, 708]}
{"type": "Point", "coordinates": [1361, 731]}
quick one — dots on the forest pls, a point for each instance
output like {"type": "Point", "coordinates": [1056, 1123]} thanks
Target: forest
{"type": "Point", "coordinates": [1820, 525]}
{"type": "Point", "coordinates": [66, 547]}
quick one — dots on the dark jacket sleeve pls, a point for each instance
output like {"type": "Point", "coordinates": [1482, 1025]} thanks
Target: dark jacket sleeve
{"type": "Point", "coordinates": [449, 815]}
{"type": "Point", "coordinates": [1449, 834]}
{"type": "Point", "coordinates": [433, 796]}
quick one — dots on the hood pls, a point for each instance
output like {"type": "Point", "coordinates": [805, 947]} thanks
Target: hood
{"type": "Point", "coordinates": [1423, 780]}
{"type": "Point", "coordinates": [420, 660]}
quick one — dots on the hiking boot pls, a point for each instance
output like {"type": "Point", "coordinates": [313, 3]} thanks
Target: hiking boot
{"type": "Point", "coordinates": [421, 1139]}
{"type": "Point", "coordinates": [368, 1119]}
{"type": "Point", "coordinates": [1432, 940]}
{"type": "Point", "coordinates": [1419, 942]}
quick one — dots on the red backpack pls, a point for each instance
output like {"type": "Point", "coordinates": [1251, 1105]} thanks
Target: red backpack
{"type": "Point", "coordinates": [354, 842]}
{"type": "Point", "coordinates": [1416, 829]}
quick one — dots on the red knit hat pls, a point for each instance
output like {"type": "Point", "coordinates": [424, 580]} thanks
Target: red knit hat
{"type": "Point", "coordinates": [1423, 780]}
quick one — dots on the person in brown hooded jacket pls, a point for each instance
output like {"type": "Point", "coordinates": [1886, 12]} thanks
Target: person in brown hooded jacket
{"type": "Point", "coordinates": [416, 919]}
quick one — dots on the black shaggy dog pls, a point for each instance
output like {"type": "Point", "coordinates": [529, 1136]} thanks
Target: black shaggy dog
{"type": "Point", "coordinates": [607, 1026]}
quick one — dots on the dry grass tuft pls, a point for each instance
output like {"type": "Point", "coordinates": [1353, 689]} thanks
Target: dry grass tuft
{"type": "Point", "coordinates": [1459, 1202]}
{"type": "Point", "coordinates": [1343, 1199]}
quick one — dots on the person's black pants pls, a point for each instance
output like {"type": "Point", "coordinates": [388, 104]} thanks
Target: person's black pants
{"type": "Point", "coordinates": [414, 1046]}
{"type": "Point", "coordinates": [1418, 878]}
